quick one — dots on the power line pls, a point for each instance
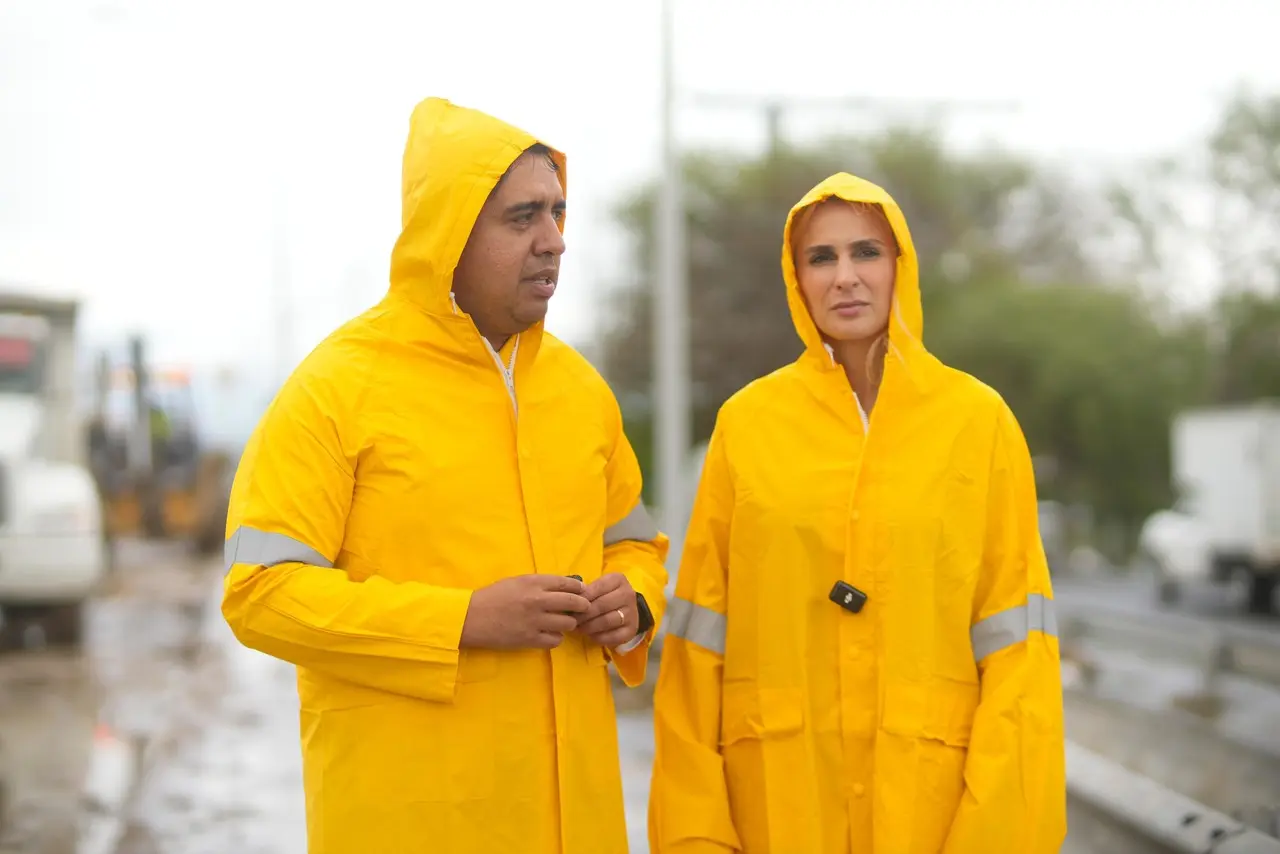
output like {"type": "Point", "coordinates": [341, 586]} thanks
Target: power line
{"type": "Point", "coordinates": [775, 107]}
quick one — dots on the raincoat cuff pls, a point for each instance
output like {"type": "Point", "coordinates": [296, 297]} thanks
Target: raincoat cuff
{"type": "Point", "coordinates": [444, 629]}
{"type": "Point", "coordinates": [632, 659]}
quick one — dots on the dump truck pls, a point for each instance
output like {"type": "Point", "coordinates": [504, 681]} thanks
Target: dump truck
{"type": "Point", "coordinates": [52, 544]}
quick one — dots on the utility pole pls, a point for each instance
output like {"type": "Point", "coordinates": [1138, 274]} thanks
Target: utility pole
{"type": "Point", "coordinates": [670, 315]}
{"type": "Point", "coordinates": [281, 297]}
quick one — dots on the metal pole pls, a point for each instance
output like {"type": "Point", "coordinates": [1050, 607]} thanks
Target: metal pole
{"type": "Point", "coordinates": [670, 316]}
{"type": "Point", "coordinates": [280, 287]}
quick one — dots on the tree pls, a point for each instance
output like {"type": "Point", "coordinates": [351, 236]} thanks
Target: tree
{"type": "Point", "coordinates": [1094, 379]}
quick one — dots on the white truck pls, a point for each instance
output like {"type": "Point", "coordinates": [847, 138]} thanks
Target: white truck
{"type": "Point", "coordinates": [1226, 524]}
{"type": "Point", "coordinates": [52, 549]}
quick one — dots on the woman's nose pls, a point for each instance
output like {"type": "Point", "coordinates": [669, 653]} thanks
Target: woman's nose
{"type": "Point", "coordinates": [846, 274]}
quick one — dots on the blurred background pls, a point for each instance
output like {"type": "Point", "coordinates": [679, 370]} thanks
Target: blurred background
{"type": "Point", "coordinates": [192, 194]}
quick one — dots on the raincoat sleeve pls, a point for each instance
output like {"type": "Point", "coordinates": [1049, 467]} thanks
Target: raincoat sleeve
{"type": "Point", "coordinates": [283, 596]}
{"type": "Point", "coordinates": [689, 798]}
{"type": "Point", "coordinates": [633, 546]}
{"type": "Point", "coordinates": [1015, 777]}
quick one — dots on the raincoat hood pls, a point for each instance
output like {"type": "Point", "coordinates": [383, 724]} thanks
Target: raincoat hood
{"type": "Point", "coordinates": [453, 159]}
{"type": "Point", "coordinates": [906, 320]}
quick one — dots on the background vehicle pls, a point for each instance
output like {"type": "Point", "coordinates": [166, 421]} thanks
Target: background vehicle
{"type": "Point", "coordinates": [1226, 525]}
{"type": "Point", "coordinates": [159, 477]}
{"type": "Point", "coordinates": [51, 538]}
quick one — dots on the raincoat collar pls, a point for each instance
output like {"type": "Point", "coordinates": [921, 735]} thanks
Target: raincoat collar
{"type": "Point", "coordinates": [906, 317]}
{"type": "Point", "coordinates": [453, 159]}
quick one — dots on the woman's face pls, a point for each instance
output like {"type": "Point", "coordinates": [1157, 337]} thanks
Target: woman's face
{"type": "Point", "coordinates": [846, 263]}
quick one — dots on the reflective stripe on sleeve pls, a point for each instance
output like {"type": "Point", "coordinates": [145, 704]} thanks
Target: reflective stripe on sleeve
{"type": "Point", "coordinates": [636, 525]}
{"type": "Point", "coordinates": [1013, 625]}
{"type": "Point", "coordinates": [264, 548]}
{"type": "Point", "coordinates": [697, 625]}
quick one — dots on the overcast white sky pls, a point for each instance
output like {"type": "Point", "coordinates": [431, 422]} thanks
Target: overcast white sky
{"type": "Point", "coordinates": [149, 147]}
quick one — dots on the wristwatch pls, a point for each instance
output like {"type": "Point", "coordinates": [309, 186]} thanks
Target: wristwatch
{"type": "Point", "coordinates": [646, 616]}
{"type": "Point", "coordinates": [646, 623]}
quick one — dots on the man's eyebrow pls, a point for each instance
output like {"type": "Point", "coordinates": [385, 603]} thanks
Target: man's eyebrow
{"type": "Point", "coordinates": [534, 207]}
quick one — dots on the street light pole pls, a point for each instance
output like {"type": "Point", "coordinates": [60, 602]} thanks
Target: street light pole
{"type": "Point", "coordinates": [670, 313]}
{"type": "Point", "coordinates": [281, 288]}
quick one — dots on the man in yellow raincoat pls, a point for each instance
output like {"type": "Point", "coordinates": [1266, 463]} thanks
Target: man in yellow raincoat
{"type": "Point", "coordinates": [408, 512]}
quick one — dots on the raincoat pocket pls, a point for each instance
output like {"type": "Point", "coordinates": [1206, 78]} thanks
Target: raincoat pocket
{"type": "Point", "coordinates": [934, 720]}
{"type": "Point", "coordinates": [766, 763]}
{"type": "Point", "coordinates": [405, 752]}
{"type": "Point", "coordinates": [753, 713]}
{"type": "Point", "coordinates": [937, 709]}
{"type": "Point", "coordinates": [478, 665]}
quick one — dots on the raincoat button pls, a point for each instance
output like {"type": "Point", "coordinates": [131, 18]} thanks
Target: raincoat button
{"type": "Point", "coordinates": [859, 790]}
{"type": "Point", "coordinates": [857, 514]}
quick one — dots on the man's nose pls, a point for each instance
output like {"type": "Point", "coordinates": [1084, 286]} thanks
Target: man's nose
{"type": "Point", "coordinates": [550, 241]}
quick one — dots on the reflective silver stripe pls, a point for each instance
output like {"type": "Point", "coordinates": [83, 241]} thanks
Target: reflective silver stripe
{"type": "Point", "coordinates": [1013, 625]}
{"type": "Point", "coordinates": [697, 624]}
{"type": "Point", "coordinates": [636, 525]}
{"type": "Point", "coordinates": [264, 548]}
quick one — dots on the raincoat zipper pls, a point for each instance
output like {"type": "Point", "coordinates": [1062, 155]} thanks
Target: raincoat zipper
{"type": "Point", "coordinates": [508, 371]}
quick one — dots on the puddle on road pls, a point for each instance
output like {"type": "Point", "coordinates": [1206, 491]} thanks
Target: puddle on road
{"type": "Point", "coordinates": [53, 700]}
{"type": "Point", "coordinates": [47, 707]}
{"type": "Point", "coordinates": [230, 779]}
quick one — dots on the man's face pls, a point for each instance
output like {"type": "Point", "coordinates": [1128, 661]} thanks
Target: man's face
{"type": "Point", "coordinates": [511, 264]}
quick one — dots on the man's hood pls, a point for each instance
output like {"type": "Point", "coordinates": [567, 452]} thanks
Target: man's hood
{"type": "Point", "coordinates": [906, 322]}
{"type": "Point", "coordinates": [453, 159]}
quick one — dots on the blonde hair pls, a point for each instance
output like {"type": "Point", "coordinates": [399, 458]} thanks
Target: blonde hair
{"type": "Point", "coordinates": [800, 224]}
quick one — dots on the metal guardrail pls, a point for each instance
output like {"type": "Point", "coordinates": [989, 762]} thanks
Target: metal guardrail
{"type": "Point", "coordinates": [1220, 649]}
{"type": "Point", "coordinates": [1155, 814]}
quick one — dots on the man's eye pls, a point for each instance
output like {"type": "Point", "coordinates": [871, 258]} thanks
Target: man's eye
{"type": "Point", "coordinates": [820, 258]}
{"type": "Point", "coordinates": [869, 252]}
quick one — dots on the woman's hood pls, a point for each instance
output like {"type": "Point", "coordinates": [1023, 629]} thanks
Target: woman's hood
{"type": "Point", "coordinates": [906, 321]}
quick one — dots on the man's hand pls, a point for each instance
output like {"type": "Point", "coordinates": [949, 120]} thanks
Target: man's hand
{"type": "Point", "coordinates": [613, 618]}
{"type": "Point", "coordinates": [525, 611]}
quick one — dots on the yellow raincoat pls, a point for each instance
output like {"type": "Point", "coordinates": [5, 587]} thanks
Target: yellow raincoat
{"type": "Point", "coordinates": [396, 472]}
{"type": "Point", "coordinates": [929, 722]}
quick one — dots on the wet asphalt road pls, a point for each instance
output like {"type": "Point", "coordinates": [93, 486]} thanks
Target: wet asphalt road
{"type": "Point", "coordinates": [140, 639]}
{"type": "Point", "coordinates": [216, 724]}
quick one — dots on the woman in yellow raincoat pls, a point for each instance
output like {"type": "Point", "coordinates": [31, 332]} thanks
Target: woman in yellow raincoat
{"type": "Point", "coordinates": [861, 656]}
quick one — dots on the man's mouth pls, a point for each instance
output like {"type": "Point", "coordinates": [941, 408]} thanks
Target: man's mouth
{"type": "Point", "coordinates": [543, 284]}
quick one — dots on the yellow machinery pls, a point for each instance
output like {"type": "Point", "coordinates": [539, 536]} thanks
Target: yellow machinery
{"type": "Point", "coordinates": [158, 479]}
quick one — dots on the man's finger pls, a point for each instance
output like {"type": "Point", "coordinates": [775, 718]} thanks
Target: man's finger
{"type": "Point", "coordinates": [549, 640]}
{"type": "Point", "coordinates": [604, 584]}
{"type": "Point", "coordinates": [563, 603]}
{"type": "Point", "coordinates": [604, 622]}
{"type": "Point", "coordinates": [609, 602]}
{"type": "Point", "coordinates": [560, 583]}
{"type": "Point", "coordinates": [558, 623]}
{"type": "Point", "coordinates": [614, 637]}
